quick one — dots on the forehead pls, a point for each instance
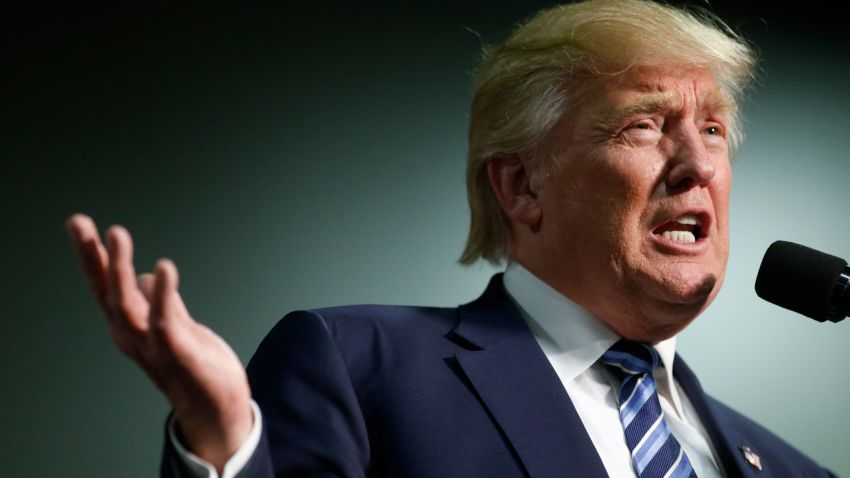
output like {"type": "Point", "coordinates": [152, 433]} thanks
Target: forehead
{"type": "Point", "coordinates": [651, 89]}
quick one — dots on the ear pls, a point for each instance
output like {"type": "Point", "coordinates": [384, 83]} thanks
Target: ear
{"type": "Point", "coordinates": [510, 179]}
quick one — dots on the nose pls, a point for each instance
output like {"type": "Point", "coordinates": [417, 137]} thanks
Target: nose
{"type": "Point", "coordinates": [691, 165]}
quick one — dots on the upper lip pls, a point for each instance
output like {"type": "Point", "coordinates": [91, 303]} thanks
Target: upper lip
{"type": "Point", "coordinates": [704, 218]}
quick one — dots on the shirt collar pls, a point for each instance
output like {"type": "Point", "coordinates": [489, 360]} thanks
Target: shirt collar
{"type": "Point", "coordinates": [564, 328]}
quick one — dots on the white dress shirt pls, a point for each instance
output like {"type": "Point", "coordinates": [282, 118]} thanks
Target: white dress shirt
{"type": "Point", "coordinates": [200, 468]}
{"type": "Point", "coordinates": [573, 341]}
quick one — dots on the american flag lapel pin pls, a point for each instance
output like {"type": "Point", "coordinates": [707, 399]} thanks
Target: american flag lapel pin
{"type": "Point", "coordinates": [752, 458]}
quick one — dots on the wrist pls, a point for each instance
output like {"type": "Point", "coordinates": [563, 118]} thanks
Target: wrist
{"type": "Point", "coordinates": [216, 437]}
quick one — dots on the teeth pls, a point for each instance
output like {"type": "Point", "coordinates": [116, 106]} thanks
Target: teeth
{"type": "Point", "coordinates": [689, 219]}
{"type": "Point", "coordinates": [682, 237]}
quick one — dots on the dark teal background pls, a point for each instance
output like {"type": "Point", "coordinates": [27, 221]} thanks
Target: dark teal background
{"type": "Point", "coordinates": [296, 156]}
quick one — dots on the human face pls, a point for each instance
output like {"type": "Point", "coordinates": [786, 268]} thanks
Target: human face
{"type": "Point", "coordinates": [634, 206]}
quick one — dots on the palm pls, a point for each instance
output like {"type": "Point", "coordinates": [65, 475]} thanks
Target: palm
{"type": "Point", "coordinates": [197, 371]}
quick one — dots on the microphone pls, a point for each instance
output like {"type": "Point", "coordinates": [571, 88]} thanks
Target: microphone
{"type": "Point", "coordinates": [806, 281]}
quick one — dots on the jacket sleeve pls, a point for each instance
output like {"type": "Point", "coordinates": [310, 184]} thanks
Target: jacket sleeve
{"type": "Point", "coordinates": [312, 423]}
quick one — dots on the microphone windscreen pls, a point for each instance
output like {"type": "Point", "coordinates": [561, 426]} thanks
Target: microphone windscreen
{"type": "Point", "coordinates": [798, 278]}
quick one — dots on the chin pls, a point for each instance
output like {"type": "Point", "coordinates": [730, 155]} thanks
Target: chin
{"type": "Point", "coordinates": [691, 293]}
{"type": "Point", "coordinates": [668, 303]}
{"type": "Point", "coordinates": [683, 284]}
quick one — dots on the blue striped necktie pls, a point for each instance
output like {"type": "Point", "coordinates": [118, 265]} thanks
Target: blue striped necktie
{"type": "Point", "coordinates": [655, 451]}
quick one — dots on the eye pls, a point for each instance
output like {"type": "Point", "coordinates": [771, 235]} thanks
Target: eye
{"type": "Point", "coordinates": [714, 132]}
{"type": "Point", "coordinates": [642, 131]}
{"type": "Point", "coordinates": [646, 124]}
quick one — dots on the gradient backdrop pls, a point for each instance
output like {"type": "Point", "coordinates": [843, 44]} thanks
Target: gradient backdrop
{"type": "Point", "coordinates": [302, 156]}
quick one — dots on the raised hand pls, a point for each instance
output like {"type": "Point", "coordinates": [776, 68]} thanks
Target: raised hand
{"type": "Point", "coordinates": [196, 370]}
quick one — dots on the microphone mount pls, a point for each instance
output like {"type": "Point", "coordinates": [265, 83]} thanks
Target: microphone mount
{"type": "Point", "coordinates": [839, 304]}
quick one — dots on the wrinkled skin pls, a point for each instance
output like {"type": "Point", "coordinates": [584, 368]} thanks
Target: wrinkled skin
{"type": "Point", "coordinates": [639, 151]}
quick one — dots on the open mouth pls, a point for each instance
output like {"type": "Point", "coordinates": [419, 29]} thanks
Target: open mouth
{"type": "Point", "coordinates": [686, 229]}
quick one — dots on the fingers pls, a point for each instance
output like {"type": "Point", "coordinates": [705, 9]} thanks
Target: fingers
{"type": "Point", "coordinates": [124, 296]}
{"type": "Point", "coordinates": [146, 285]}
{"type": "Point", "coordinates": [91, 253]}
{"type": "Point", "coordinates": [161, 291]}
{"type": "Point", "coordinates": [170, 324]}
{"type": "Point", "coordinates": [165, 303]}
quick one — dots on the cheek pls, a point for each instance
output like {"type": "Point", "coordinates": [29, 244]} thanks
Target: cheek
{"type": "Point", "coordinates": [598, 202]}
{"type": "Point", "coordinates": [632, 174]}
{"type": "Point", "coordinates": [720, 198]}
{"type": "Point", "coordinates": [574, 214]}
{"type": "Point", "coordinates": [630, 186]}
{"type": "Point", "coordinates": [609, 206]}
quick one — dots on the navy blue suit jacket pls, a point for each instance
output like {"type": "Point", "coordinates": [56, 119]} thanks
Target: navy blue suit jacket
{"type": "Point", "coordinates": [411, 392]}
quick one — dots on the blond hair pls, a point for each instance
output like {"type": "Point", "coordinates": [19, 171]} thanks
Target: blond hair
{"type": "Point", "coordinates": [525, 86]}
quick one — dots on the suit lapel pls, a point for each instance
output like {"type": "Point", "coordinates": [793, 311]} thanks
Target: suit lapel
{"type": "Point", "coordinates": [725, 437]}
{"type": "Point", "coordinates": [517, 385]}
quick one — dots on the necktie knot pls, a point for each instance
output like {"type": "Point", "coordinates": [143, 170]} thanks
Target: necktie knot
{"type": "Point", "coordinates": [632, 358]}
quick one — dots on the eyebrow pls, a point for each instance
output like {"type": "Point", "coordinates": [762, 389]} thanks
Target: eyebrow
{"type": "Point", "coordinates": [714, 101]}
{"type": "Point", "coordinates": [646, 104]}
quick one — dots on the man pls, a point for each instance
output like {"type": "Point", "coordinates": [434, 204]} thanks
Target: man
{"type": "Point", "coordinates": [599, 170]}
